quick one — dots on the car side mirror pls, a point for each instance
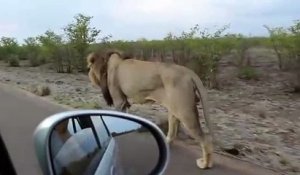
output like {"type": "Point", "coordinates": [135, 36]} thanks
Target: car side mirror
{"type": "Point", "coordinates": [100, 142]}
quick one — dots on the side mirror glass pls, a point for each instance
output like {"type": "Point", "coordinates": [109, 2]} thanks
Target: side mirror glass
{"type": "Point", "coordinates": [100, 142]}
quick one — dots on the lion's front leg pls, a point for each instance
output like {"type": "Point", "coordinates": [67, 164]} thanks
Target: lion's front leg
{"type": "Point", "coordinates": [122, 105]}
{"type": "Point", "coordinates": [119, 98]}
{"type": "Point", "coordinates": [95, 82]}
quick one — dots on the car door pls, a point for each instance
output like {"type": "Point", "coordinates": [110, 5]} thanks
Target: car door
{"type": "Point", "coordinates": [108, 164]}
{"type": "Point", "coordinates": [7, 166]}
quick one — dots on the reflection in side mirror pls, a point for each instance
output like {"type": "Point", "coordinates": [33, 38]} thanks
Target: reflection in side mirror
{"type": "Point", "coordinates": [100, 142]}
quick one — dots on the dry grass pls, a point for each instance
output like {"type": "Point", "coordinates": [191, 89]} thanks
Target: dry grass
{"type": "Point", "coordinates": [40, 90]}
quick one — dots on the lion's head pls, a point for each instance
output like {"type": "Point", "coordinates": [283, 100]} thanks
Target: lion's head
{"type": "Point", "coordinates": [97, 64]}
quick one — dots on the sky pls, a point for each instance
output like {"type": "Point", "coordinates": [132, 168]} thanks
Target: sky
{"type": "Point", "coordinates": [150, 19]}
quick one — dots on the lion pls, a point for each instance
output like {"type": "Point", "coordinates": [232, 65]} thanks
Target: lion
{"type": "Point", "coordinates": [175, 87]}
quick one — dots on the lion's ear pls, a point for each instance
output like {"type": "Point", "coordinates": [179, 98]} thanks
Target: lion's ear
{"type": "Point", "coordinates": [94, 58]}
{"type": "Point", "coordinates": [90, 59]}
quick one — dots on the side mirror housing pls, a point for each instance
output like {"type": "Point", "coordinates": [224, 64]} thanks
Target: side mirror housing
{"type": "Point", "coordinates": [100, 142]}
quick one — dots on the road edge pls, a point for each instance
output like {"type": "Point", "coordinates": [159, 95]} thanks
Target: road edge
{"type": "Point", "coordinates": [10, 87]}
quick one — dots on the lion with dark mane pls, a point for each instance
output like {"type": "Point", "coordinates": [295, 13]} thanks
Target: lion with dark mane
{"type": "Point", "coordinates": [177, 88]}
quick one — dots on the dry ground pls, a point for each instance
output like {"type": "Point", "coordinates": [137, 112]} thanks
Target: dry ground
{"type": "Point", "coordinates": [257, 120]}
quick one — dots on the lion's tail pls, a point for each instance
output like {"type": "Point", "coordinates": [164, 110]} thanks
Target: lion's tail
{"type": "Point", "coordinates": [203, 94]}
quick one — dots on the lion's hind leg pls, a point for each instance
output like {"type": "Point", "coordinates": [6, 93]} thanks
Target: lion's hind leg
{"type": "Point", "coordinates": [194, 129]}
{"type": "Point", "coordinates": [207, 151]}
{"type": "Point", "coordinates": [173, 123]}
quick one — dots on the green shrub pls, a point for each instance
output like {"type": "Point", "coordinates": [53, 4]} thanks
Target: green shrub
{"type": "Point", "coordinates": [35, 61]}
{"type": "Point", "coordinates": [200, 66]}
{"type": "Point", "coordinates": [248, 73]}
{"type": "Point", "coordinates": [14, 61]}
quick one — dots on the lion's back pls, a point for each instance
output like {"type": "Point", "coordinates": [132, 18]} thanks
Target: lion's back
{"type": "Point", "coordinates": [134, 71]}
{"type": "Point", "coordinates": [175, 70]}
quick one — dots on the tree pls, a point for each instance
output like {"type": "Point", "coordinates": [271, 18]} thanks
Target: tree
{"type": "Point", "coordinates": [80, 35]}
{"type": "Point", "coordinates": [31, 46]}
{"type": "Point", "coordinates": [278, 36]}
{"type": "Point", "coordinates": [286, 43]}
{"type": "Point", "coordinates": [52, 44]}
{"type": "Point", "coordinates": [203, 50]}
{"type": "Point", "coordinates": [295, 30]}
{"type": "Point", "coordinates": [9, 46]}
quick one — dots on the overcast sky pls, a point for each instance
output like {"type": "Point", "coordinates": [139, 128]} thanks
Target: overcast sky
{"type": "Point", "coordinates": [151, 19]}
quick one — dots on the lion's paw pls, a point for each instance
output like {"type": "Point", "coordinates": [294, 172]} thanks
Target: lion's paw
{"type": "Point", "coordinates": [169, 140]}
{"type": "Point", "coordinates": [202, 164]}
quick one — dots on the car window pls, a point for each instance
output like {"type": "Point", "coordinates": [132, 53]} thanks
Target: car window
{"type": "Point", "coordinates": [76, 153]}
{"type": "Point", "coordinates": [80, 153]}
{"type": "Point", "coordinates": [73, 125]}
{"type": "Point", "coordinates": [101, 130]}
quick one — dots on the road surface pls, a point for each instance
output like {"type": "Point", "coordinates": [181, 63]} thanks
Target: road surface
{"type": "Point", "coordinates": [21, 112]}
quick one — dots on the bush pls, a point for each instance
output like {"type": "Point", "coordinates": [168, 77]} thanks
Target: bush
{"type": "Point", "coordinates": [35, 61]}
{"type": "Point", "coordinates": [66, 59]}
{"type": "Point", "coordinates": [40, 90]}
{"type": "Point", "coordinates": [14, 61]}
{"type": "Point", "coordinates": [199, 65]}
{"type": "Point", "coordinates": [248, 73]}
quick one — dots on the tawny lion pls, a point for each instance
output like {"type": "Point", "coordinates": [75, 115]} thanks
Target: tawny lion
{"type": "Point", "coordinates": [173, 86]}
